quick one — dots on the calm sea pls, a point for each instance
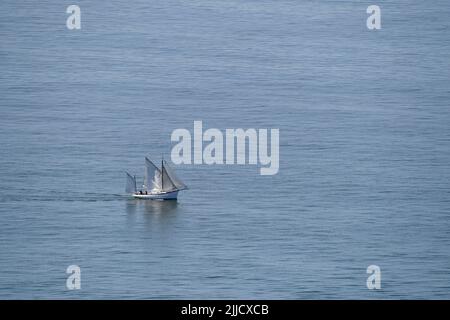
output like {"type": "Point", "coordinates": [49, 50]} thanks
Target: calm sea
{"type": "Point", "coordinates": [364, 149]}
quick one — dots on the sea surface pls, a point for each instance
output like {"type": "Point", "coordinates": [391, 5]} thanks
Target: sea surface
{"type": "Point", "coordinates": [364, 124]}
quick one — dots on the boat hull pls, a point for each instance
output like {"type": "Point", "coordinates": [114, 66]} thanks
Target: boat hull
{"type": "Point", "coordinates": [157, 196]}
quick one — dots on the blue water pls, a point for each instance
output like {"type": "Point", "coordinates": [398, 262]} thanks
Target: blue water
{"type": "Point", "coordinates": [364, 149]}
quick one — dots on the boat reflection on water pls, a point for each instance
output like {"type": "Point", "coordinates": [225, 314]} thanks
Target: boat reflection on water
{"type": "Point", "coordinates": [151, 210]}
{"type": "Point", "coordinates": [165, 207]}
{"type": "Point", "coordinates": [131, 206]}
{"type": "Point", "coordinates": [134, 206]}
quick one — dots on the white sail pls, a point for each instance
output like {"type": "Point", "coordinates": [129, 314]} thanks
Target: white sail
{"type": "Point", "coordinates": [130, 186]}
{"type": "Point", "coordinates": [166, 181]}
{"type": "Point", "coordinates": [173, 177]}
{"type": "Point", "coordinates": [156, 182]}
{"type": "Point", "coordinates": [151, 180]}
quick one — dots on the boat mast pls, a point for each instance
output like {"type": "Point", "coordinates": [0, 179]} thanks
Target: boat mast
{"type": "Point", "coordinates": [162, 172]}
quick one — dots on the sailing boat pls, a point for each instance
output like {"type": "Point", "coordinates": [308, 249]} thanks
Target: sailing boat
{"type": "Point", "coordinates": [159, 184]}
